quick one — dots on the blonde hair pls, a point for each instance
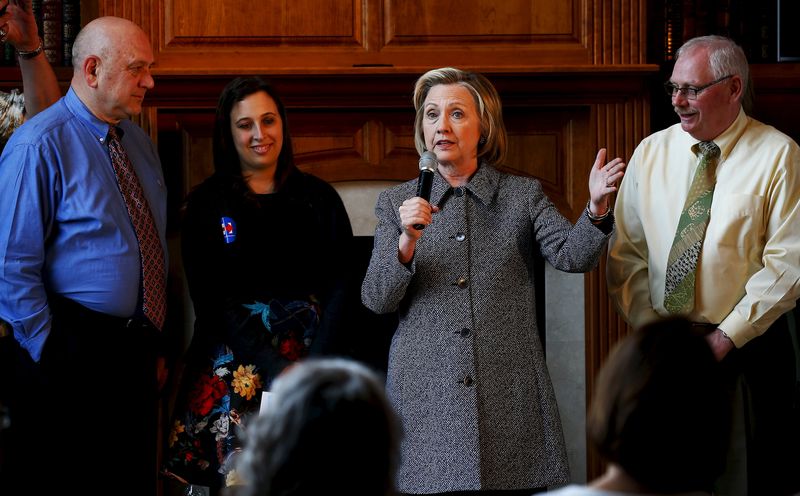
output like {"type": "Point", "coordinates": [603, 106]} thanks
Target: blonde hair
{"type": "Point", "coordinates": [493, 144]}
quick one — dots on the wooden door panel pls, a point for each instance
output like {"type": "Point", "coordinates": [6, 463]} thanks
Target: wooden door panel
{"type": "Point", "coordinates": [478, 21]}
{"type": "Point", "coordinates": [299, 22]}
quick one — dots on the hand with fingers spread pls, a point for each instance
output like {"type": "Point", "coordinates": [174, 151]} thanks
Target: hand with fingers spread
{"type": "Point", "coordinates": [603, 181]}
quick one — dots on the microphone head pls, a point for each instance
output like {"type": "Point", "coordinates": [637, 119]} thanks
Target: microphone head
{"type": "Point", "coordinates": [427, 161]}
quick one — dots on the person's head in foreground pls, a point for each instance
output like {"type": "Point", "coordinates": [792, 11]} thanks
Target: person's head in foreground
{"type": "Point", "coordinates": [660, 414]}
{"type": "Point", "coordinates": [328, 429]}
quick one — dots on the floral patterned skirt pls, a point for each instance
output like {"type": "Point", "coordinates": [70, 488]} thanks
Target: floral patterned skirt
{"type": "Point", "coordinates": [219, 397]}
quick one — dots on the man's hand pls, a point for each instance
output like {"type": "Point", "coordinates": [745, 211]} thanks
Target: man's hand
{"type": "Point", "coordinates": [720, 344]}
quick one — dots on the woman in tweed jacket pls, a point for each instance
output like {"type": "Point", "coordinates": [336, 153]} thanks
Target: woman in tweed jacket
{"type": "Point", "coordinates": [466, 371]}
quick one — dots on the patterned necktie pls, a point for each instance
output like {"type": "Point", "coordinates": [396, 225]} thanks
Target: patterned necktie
{"type": "Point", "coordinates": [682, 261]}
{"type": "Point", "coordinates": [154, 296]}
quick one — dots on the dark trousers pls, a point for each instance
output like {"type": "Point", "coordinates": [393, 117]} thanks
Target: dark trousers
{"type": "Point", "coordinates": [762, 377]}
{"type": "Point", "coordinates": [85, 417]}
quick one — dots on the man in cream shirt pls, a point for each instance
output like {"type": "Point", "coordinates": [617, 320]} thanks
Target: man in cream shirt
{"type": "Point", "coordinates": [748, 270]}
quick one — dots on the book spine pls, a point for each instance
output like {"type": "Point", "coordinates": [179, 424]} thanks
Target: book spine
{"type": "Point", "coordinates": [36, 8]}
{"type": "Point", "coordinates": [71, 22]}
{"type": "Point", "coordinates": [52, 31]}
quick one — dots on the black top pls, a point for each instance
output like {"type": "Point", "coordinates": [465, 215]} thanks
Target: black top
{"type": "Point", "coordinates": [291, 244]}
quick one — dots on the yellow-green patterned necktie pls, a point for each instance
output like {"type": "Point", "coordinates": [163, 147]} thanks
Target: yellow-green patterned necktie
{"type": "Point", "coordinates": [685, 251]}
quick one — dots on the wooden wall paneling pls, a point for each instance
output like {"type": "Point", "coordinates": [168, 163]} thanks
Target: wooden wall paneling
{"type": "Point", "coordinates": [352, 146]}
{"type": "Point", "coordinates": [485, 33]}
{"type": "Point", "coordinates": [233, 37]}
{"type": "Point", "coordinates": [89, 10]}
{"type": "Point", "coordinates": [330, 137]}
{"type": "Point", "coordinates": [348, 91]}
{"type": "Point", "coordinates": [619, 32]}
{"type": "Point", "coordinates": [145, 13]}
{"type": "Point", "coordinates": [393, 91]}
{"type": "Point", "coordinates": [398, 149]}
{"type": "Point", "coordinates": [620, 127]}
{"type": "Point", "coordinates": [549, 143]}
{"type": "Point", "coordinates": [367, 36]}
{"type": "Point", "coordinates": [273, 21]}
{"type": "Point", "coordinates": [637, 34]}
{"type": "Point", "coordinates": [479, 22]}
{"type": "Point", "coordinates": [313, 36]}
{"type": "Point", "coordinates": [196, 131]}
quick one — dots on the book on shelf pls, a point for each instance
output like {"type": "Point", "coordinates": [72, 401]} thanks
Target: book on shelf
{"type": "Point", "coordinates": [52, 31]}
{"type": "Point", "coordinates": [71, 24]}
{"type": "Point", "coordinates": [59, 22]}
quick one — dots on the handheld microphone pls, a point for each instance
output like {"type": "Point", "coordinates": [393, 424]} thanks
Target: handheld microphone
{"type": "Point", "coordinates": [427, 168]}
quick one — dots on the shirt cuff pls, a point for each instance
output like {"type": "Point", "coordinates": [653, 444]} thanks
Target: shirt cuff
{"type": "Point", "coordinates": [738, 329]}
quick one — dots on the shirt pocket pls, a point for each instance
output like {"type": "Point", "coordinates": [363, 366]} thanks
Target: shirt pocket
{"type": "Point", "coordinates": [737, 221]}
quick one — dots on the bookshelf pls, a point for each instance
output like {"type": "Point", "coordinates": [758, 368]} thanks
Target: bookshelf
{"type": "Point", "coordinates": [753, 24]}
{"type": "Point", "coordinates": [756, 26]}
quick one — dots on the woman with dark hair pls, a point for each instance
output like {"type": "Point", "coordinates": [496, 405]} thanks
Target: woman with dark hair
{"type": "Point", "coordinates": [263, 248]}
{"type": "Point", "coordinates": [660, 415]}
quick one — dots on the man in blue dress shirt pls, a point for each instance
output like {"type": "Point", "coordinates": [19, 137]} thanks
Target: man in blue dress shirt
{"type": "Point", "coordinates": [76, 284]}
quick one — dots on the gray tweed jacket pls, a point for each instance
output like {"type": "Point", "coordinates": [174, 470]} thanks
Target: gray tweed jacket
{"type": "Point", "coordinates": [467, 374]}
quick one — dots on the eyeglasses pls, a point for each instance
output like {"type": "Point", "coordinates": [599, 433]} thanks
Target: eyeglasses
{"type": "Point", "coordinates": [691, 92]}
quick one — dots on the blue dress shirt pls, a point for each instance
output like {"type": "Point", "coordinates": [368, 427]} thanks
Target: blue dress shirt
{"type": "Point", "coordinates": [64, 227]}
